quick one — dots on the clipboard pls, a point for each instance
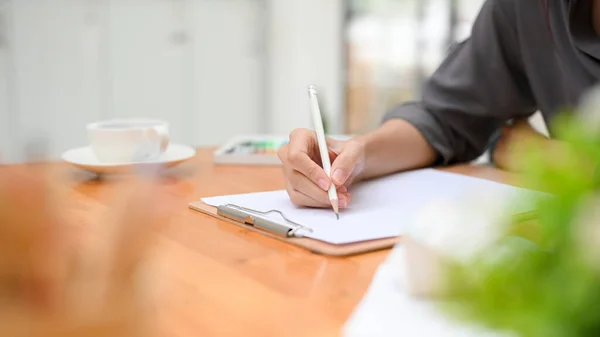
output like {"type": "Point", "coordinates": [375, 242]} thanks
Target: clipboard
{"type": "Point", "coordinates": [291, 233]}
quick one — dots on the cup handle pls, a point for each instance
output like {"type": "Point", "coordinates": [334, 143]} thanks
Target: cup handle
{"type": "Point", "coordinates": [161, 135]}
{"type": "Point", "coordinates": [164, 139]}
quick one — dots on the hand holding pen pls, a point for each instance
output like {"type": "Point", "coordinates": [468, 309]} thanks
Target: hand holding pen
{"type": "Point", "coordinates": [307, 183]}
{"type": "Point", "coordinates": [323, 151]}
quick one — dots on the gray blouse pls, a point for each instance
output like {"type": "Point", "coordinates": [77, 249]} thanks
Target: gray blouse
{"type": "Point", "coordinates": [521, 57]}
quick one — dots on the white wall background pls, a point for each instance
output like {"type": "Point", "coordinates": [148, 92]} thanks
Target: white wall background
{"type": "Point", "coordinates": [200, 64]}
{"type": "Point", "coordinates": [305, 40]}
{"type": "Point", "coordinates": [5, 132]}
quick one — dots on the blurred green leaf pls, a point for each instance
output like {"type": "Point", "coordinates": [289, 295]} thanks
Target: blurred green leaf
{"type": "Point", "coordinates": [537, 281]}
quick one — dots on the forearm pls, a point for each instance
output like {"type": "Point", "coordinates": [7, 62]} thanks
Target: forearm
{"type": "Point", "coordinates": [395, 146]}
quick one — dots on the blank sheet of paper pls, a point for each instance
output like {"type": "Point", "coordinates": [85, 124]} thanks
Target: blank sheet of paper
{"type": "Point", "coordinates": [380, 208]}
{"type": "Point", "coordinates": [388, 309]}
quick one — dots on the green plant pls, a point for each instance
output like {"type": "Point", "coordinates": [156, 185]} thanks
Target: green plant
{"type": "Point", "coordinates": [543, 277]}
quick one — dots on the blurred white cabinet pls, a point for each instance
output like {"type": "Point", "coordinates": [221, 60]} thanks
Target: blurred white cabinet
{"type": "Point", "coordinates": [306, 42]}
{"type": "Point", "coordinates": [5, 131]}
{"type": "Point", "coordinates": [229, 60]}
{"type": "Point", "coordinates": [150, 64]}
{"type": "Point", "coordinates": [195, 63]}
{"type": "Point", "coordinates": [54, 87]}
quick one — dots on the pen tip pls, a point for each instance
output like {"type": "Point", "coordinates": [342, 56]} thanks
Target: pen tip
{"type": "Point", "coordinates": [336, 209]}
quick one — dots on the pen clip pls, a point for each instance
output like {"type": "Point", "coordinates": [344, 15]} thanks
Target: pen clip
{"type": "Point", "coordinates": [244, 215]}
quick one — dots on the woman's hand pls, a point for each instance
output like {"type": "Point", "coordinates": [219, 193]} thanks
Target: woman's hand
{"type": "Point", "coordinates": [306, 181]}
{"type": "Point", "coordinates": [514, 140]}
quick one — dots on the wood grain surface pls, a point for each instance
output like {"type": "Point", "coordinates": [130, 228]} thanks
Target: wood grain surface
{"type": "Point", "coordinates": [217, 279]}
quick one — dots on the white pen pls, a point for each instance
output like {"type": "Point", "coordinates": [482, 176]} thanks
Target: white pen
{"type": "Point", "coordinates": [318, 123]}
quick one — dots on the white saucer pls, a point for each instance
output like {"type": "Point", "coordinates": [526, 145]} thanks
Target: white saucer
{"type": "Point", "coordinates": [84, 158]}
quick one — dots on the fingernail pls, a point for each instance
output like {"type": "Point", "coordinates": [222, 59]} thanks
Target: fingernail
{"type": "Point", "coordinates": [343, 202]}
{"type": "Point", "coordinates": [323, 183]}
{"type": "Point", "coordinates": [339, 176]}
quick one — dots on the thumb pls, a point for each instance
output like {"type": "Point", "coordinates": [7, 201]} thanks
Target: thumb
{"type": "Point", "coordinates": [345, 164]}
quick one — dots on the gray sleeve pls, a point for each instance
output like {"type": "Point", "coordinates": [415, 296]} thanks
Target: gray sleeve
{"type": "Point", "coordinates": [478, 87]}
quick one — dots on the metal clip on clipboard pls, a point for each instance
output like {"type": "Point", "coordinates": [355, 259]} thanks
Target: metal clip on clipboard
{"type": "Point", "coordinates": [248, 216]}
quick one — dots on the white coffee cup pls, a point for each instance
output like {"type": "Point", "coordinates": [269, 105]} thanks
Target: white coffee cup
{"type": "Point", "coordinates": [128, 140]}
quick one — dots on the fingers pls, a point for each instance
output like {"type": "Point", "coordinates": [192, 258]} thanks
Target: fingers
{"type": "Point", "coordinates": [301, 183]}
{"type": "Point", "coordinates": [299, 155]}
{"type": "Point", "coordinates": [306, 181]}
{"type": "Point", "coordinates": [301, 199]}
{"type": "Point", "coordinates": [302, 188]}
{"type": "Point", "coordinates": [345, 164]}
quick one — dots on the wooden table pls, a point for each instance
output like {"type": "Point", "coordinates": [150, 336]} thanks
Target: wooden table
{"type": "Point", "coordinates": [222, 280]}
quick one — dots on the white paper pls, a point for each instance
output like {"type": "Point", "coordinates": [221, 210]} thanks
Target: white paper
{"type": "Point", "coordinates": [388, 310]}
{"type": "Point", "coordinates": [380, 208]}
